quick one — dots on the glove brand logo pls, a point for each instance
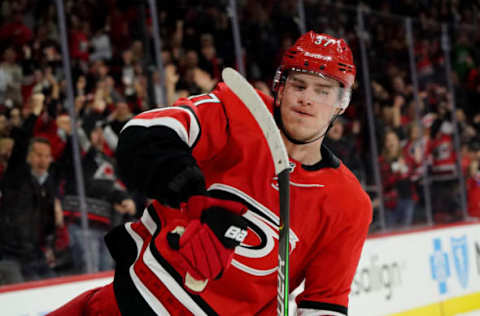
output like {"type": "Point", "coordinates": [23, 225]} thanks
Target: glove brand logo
{"type": "Point", "coordinates": [236, 233]}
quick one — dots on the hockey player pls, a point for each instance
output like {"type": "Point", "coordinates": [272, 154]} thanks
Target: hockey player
{"type": "Point", "coordinates": [208, 244]}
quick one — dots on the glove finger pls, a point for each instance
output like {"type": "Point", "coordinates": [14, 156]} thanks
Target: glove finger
{"type": "Point", "coordinates": [223, 255]}
{"type": "Point", "coordinates": [202, 252]}
{"type": "Point", "coordinates": [188, 262]}
{"type": "Point", "coordinates": [186, 250]}
{"type": "Point", "coordinates": [214, 264]}
{"type": "Point", "coordinates": [190, 232]}
{"type": "Point", "coordinates": [192, 279]}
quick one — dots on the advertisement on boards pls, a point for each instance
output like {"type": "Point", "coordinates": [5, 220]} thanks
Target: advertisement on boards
{"type": "Point", "coordinates": [405, 272]}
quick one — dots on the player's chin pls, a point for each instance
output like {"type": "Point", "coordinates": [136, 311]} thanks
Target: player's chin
{"type": "Point", "coordinates": [310, 138]}
{"type": "Point", "coordinates": [303, 135]}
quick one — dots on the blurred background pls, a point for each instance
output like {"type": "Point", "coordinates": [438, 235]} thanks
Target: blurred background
{"type": "Point", "coordinates": [72, 73]}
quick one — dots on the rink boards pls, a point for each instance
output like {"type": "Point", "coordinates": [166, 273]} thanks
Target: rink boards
{"type": "Point", "coordinates": [433, 272]}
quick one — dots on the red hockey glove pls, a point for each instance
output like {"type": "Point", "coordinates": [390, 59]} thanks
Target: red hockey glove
{"type": "Point", "coordinates": [208, 242]}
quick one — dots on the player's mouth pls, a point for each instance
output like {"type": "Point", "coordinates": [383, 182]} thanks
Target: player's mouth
{"type": "Point", "coordinates": [301, 112]}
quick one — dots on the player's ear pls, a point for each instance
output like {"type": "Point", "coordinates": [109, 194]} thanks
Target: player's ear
{"type": "Point", "coordinates": [278, 99]}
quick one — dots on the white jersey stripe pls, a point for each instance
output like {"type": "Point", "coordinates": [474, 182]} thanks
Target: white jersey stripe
{"type": "Point", "coordinates": [151, 300]}
{"type": "Point", "coordinates": [252, 271]}
{"type": "Point", "coordinates": [172, 123]}
{"type": "Point", "coordinates": [213, 99]}
{"type": "Point", "coordinates": [163, 276]}
{"type": "Point", "coordinates": [196, 96]}
{"type": "Point", "coordinates": [148, 221]}
{"type": "Point", "coordinates": [247, 198]}
{"type": "Point", "coordinates": [171, 284]}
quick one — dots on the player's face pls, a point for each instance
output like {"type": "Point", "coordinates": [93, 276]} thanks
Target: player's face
{"type": "Point", "coordinates": [307, 104]}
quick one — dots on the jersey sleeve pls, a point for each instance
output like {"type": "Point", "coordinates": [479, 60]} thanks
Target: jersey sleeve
{"type": "Point", "coordinates": [158, 144]}
{"type": "Point", "coordinates": [330, 272]}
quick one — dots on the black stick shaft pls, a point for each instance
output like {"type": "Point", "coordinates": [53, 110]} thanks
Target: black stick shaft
{"type": "Point", "coordinates": [283, 243]}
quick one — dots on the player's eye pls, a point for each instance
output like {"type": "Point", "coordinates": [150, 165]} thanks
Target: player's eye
{"type": "Point", "coordinates": [323, 91]}
{"type": "Point", "coordinates": [298, 87]}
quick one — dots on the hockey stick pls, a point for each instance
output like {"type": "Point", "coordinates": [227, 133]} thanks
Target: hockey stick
{"type": "Point", "coordinates": [262, 115]}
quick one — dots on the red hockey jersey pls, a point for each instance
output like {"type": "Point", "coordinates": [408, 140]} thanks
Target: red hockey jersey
{"type": "Point", "coordinates": [330, 215]}
{"type": "Point", "coordinates": [443, 157]}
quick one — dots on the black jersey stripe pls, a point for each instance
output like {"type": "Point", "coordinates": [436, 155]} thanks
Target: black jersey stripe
{"type": "Point", "coordinates": [129, 300]}
{"type": "Point", "coordinates": [323, 306]}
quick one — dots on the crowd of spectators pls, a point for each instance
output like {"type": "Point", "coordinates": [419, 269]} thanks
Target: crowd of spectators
{"type": "Point", "coordinates": [115, 77]}
{"type": "Point", "coordinates": [424, 162]}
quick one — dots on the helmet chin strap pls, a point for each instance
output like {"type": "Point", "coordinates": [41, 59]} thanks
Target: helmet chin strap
{"type": "Point", "coordinates": [278, 119]}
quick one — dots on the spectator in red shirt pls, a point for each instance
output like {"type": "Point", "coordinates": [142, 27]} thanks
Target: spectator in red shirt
{"type": "Point", "coordinates": [444, 175]}
{"type": "Point", "coordinates": [15, 31]}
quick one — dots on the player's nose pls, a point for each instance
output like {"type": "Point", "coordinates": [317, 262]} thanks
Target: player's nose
{"type": "Point", "coordinates": [306, 97]}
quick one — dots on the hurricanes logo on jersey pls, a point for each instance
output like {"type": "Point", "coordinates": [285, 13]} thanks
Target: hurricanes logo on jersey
{"type": "Point", "coordinates": [261, 242]}
{"type": "Point", "coordinates": [257, 253]}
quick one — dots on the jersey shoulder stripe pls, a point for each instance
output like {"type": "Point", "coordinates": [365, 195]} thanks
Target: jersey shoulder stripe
{"type": "Point", "coordinates": [204, 98]}
{"type": "Point", "coordinates": [180, 119]}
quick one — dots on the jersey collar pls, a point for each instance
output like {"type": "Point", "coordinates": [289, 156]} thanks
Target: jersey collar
{"type": "Point", "coordinates": [329, 160]}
